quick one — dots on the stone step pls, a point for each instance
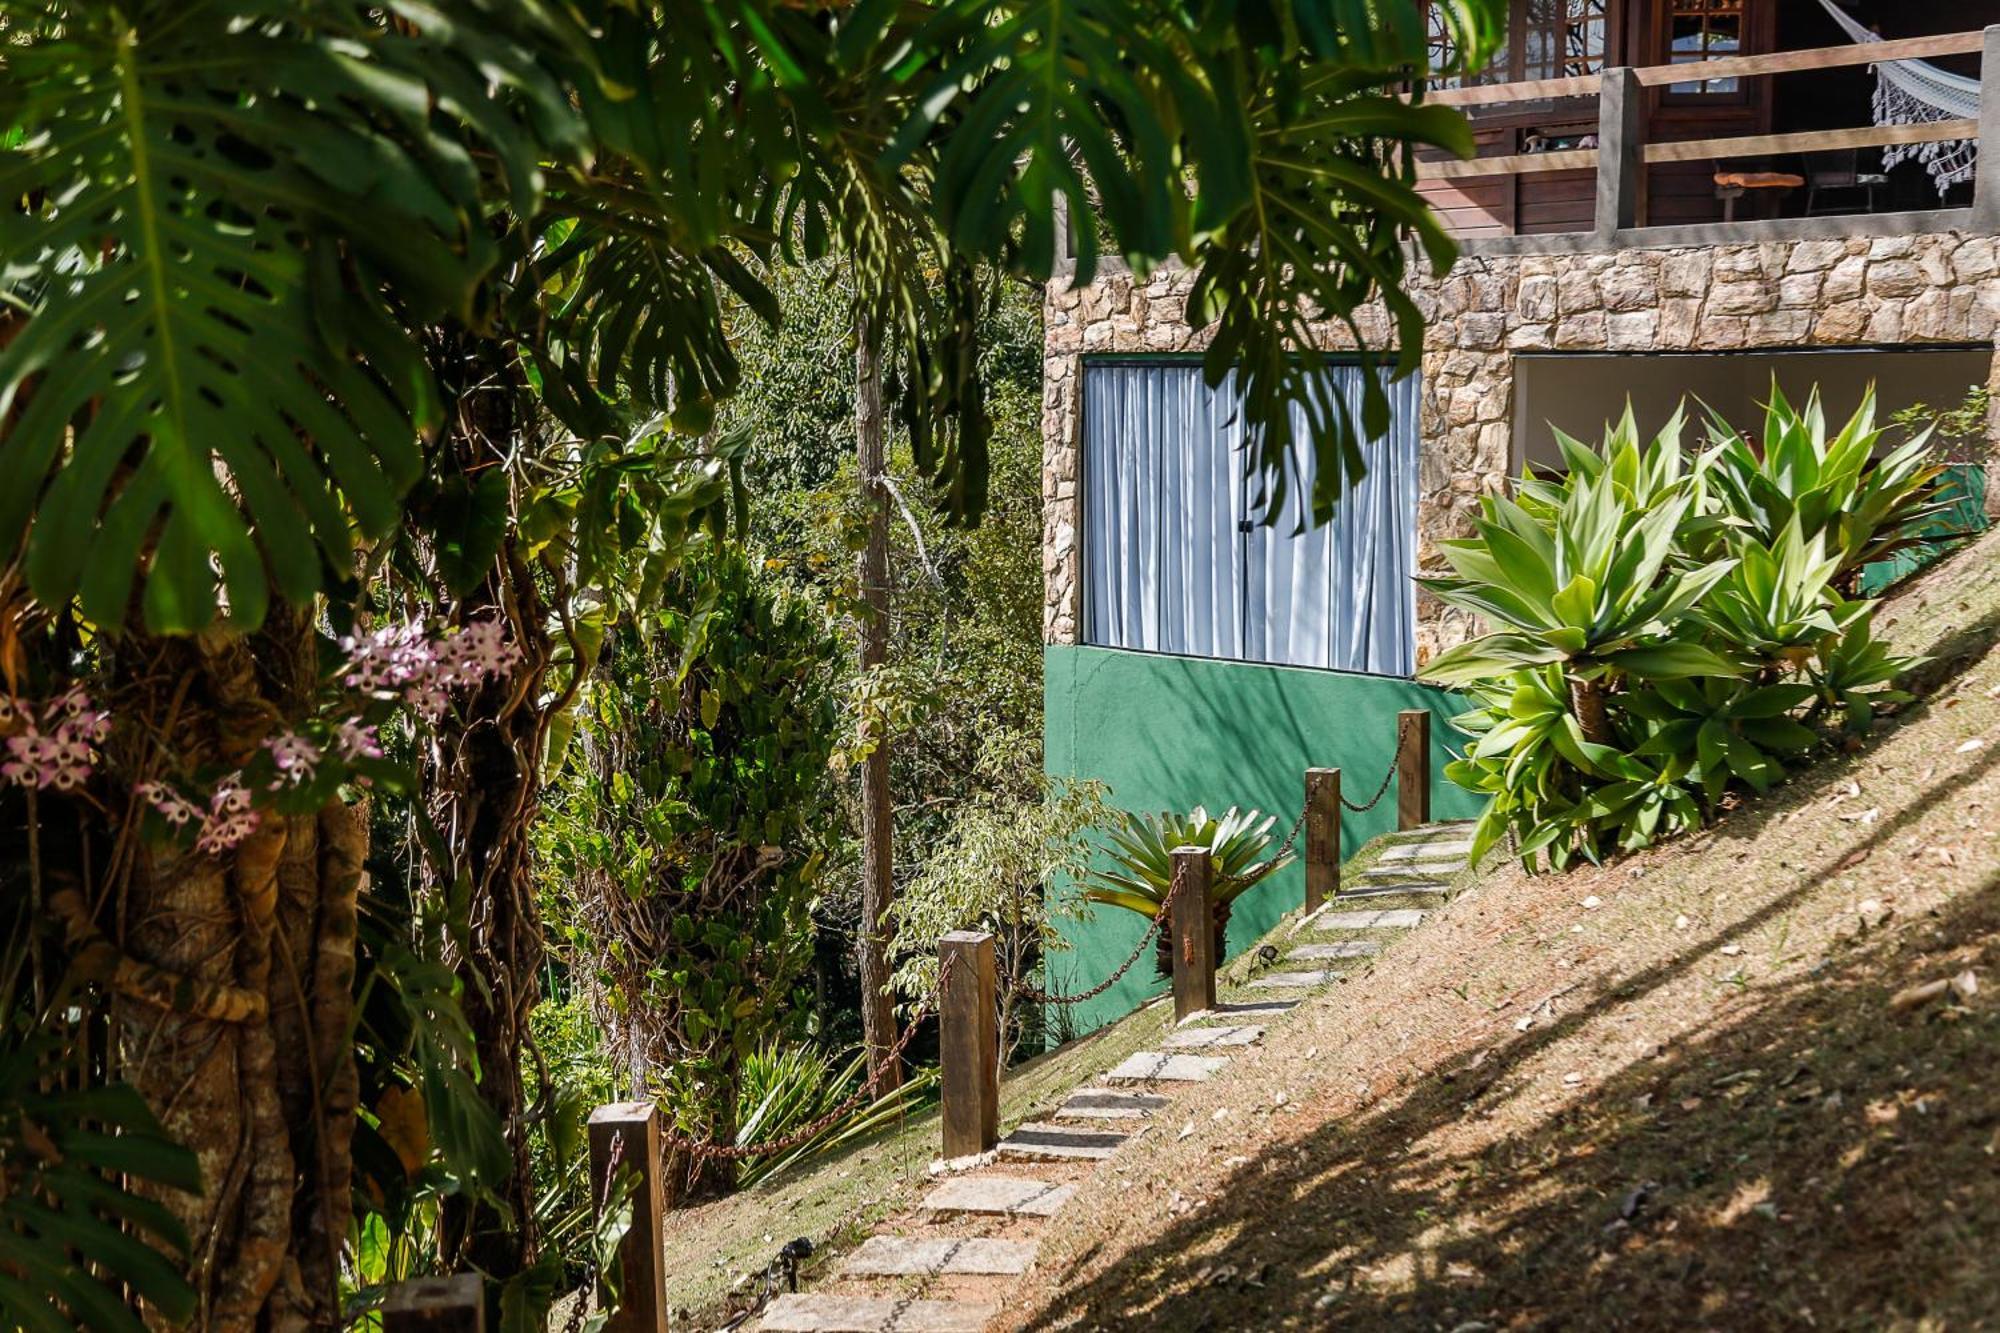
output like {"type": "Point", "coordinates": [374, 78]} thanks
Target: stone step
{"type": "Point", "coordinates": [1380, 918]}
{"type": "Point", "coordinates": [924, 1256]}
{"type": "Point", "coordinates": [811, 1313]}
{"type": "Point", "coordinates": [1408, 874]}
{"type": "Point", "coordinates": [1193, 1038]}
{"type": "Point", "coordinates": [1427, 888]}
{"type": "Point", "coordinates": [1160, 1067]}
{"type": "Point", "coordinates": [1103, 1104]}
{"type": "Point", "coordinates": [1319, 953]}
{"type": "Point", "coordinates": [1293, 980]}
{"type": "Point", "coordinates": [1425, 851]}
{"type": "Point", "coordinates": [1010, 1195]}
{"type": "Point", "coordinates": [1047, 1143]}
{"type": "Point", "coordinates": [1230, 1010]}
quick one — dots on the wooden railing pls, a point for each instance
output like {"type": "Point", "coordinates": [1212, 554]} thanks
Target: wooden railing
{"type": "Point", "coordinates": [1622, 154]}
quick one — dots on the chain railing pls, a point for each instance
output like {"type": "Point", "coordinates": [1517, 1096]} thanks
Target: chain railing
{"type": "Point", "coordinates": [1036, 995]}
{"type": "Point", "coordinates": [1395, 757]}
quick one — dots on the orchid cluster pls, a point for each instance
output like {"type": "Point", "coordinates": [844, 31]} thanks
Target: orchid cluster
{"type": "Point", "coordinates": [228, 820]}
{"type": "Point", "coordinates": [55, 746]}
{"type": "Point", "coordinates": [420, 668]}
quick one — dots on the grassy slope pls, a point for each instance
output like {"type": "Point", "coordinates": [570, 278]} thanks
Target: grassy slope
{"type": "Point", "coordinates": [834, 1202]}
{"type": "Point", "coordinates": [1690, 1105]}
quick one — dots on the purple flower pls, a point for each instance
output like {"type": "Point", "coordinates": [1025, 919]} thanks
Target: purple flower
{"type": "Point", "coordinates": [297, 759]}
{"type": "Point", "coordinates": [354, 740]}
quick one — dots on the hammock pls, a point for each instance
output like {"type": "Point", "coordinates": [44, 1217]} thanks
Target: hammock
{"type": "Point", "coordinates": [1914, 92]}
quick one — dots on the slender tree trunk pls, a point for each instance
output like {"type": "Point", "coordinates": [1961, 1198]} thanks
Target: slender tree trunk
{"type": "Point", "coordinates": [878, 1015]}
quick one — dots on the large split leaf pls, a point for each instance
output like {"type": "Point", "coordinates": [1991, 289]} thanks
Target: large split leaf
{"type": "Point", "coordinates": [210, 199]}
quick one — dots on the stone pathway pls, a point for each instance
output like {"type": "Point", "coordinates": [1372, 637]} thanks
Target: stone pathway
{"type": "Point", "coordinates": [952, 1279]}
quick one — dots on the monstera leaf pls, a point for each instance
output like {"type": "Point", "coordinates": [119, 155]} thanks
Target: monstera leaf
{"type": "Point", "coordinates": [215, 193]}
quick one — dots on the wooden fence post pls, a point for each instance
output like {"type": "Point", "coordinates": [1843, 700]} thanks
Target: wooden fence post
{"type": "Point", "coordinates": [1413, 768]}
{"type": "Point", "coordinates": [454, 1304]}
{"type": "Point", "coordinates": [969, 1044]}
{"type": "Point", "coordinates": [626, 1135]}
{"type": "Point", "coordinates": [1193, 925]}
{"type": "Point", "coordinates": [1322, 836]}
{"type": "Point", "coordinates": [1621, 153]}
{"type": "Point", "coordinates": [1986, 185]}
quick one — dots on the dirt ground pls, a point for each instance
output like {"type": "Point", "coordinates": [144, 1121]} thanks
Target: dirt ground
{"type": "Point", "coordinates": [1690, 1090]}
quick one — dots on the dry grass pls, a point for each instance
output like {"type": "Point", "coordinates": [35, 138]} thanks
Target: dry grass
{"type": "Point", "coordinates": [1691, 1104]}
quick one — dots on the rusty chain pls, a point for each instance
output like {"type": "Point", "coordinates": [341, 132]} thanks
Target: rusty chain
{"type": "Point", "coordinates": [1380, 791]}
{"type": "Point", "coordinates": [1039, 996]}
{"type": "Point", "coordinates": [709, 1150]}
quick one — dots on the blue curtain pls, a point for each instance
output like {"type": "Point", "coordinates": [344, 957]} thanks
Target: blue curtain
{"type": "Point", "coordinates": [1174, 560]}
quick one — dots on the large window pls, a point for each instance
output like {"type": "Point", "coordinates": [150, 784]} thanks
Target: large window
{"type": "Point", "coordinates": [1175, 561]}
{"type": "Point", "coordinates": [1546, 39]}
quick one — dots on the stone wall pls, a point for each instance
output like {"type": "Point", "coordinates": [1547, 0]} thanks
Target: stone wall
{"type": "Point", "coordinates": [1941, 287]}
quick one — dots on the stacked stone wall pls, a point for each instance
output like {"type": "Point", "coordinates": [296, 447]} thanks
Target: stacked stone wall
{"type": "Point", "coordinates": [1941, 287]}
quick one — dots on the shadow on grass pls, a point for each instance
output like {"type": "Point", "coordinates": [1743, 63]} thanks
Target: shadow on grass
{"type": "Point", "coordinates": [1810, 1160]}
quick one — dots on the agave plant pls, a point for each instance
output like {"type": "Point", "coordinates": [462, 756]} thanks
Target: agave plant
{"type": "Point", "coordinates": [1143, 854]}
{"type": "Point", "coordinates": [1589, 588]}
{"type": "Point", "coordinates": [1864, 507]}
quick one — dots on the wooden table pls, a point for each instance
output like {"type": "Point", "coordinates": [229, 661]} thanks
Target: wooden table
{"type": "Point", "coordinates": [1733, 185]}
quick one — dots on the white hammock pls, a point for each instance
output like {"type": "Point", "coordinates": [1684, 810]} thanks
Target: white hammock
{"type": "Point", "coordinates": [1913, 92]}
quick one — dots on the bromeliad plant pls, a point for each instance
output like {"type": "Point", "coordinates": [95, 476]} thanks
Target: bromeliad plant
{"type": "Point", "coordinates": [1669, 629]}
{"type": "Point", "coordinates": [1142, 851]}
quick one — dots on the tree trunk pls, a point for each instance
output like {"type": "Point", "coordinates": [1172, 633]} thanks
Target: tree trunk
{"type": "Point", "coordinates": [252, 1067]}
{"type": "Point", "coordinates": [1586, 702]}
{"type": "Point", "coordinates": [878, 1015]}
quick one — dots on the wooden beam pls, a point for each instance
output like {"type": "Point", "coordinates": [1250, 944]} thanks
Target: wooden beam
{"type": "Point", "coordinates": [1818, 57]}
{"type": "Point", "coordinates": [1413, 768]}
{"type": "Point", "coordinates": [1722, 67]}
{"type": "Point", "coordinates": [1322, 836]}
{"type": "Point", "coordinates": [1514, 164]}
{"type": "Point", "coordinates": [1499, 94]}
{"type": "Point", "coordinates": [1193, 927]}
{"type": "Point", "coordinates": [1812, 141]}
{"type": "Point", "coordinates": [969, 1045]}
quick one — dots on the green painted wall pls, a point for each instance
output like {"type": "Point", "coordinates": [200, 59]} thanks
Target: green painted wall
{"type": "Point", "coordinates": [1174, 732]}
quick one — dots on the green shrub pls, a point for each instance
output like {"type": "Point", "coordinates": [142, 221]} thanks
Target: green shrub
{"type": "Point", "coordinates": [1670, 628]}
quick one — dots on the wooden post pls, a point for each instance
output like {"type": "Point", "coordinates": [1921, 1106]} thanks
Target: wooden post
{"type": "Point", "coordinates": [1986, 184]}
{"type": "Point", "coordinates": [1322, 836]}
{"type": "Point", "coordinates": [969, 1045]}
{"type": "Point", "coordinates": [1413, 768]}
{"type": "Point", "coordinates": [435, 1305]}
{"type": "Point", "coordinates": [1621, 153]}
{"type": "Point", "coordinates": [1193, 926]}
{"type": "Point", "coordinates": [626, 1136]}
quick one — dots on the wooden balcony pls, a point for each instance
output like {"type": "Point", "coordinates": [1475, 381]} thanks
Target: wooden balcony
{"type": "Point", "coordinates": [1597, 197]}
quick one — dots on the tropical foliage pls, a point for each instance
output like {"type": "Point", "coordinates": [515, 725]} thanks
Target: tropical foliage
{"type": "Point", "coordinates": [1141, 870]}
{"type": "Point", "coordinates": [318, 319]}
{"type": "Point", "coordinates": [686, 833]}
{"type": "Point", "coordinates": [1671, 627]}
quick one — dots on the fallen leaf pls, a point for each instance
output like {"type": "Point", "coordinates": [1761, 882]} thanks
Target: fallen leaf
{"type": "Point", "coordinates": [1976, 743]}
